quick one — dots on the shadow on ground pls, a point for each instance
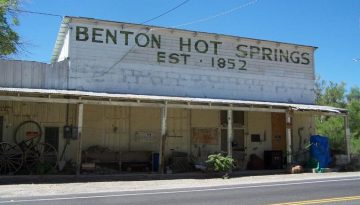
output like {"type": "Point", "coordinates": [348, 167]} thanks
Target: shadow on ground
{"type": "Point", "coordinates": [58, 179]}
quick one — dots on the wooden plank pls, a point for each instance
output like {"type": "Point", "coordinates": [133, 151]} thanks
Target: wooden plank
{"type": "Point", "coordinates": [79, 126]}
{"type": "Point", "coordinates": [163, 138]}
{"type": "Point", "coordinates": [278, 128]}
{"type": "Point", "coordinates": [229, 132]}
{"type": "Point", "coordinates": [208, 136]}
{"type": "Point", "coordinates": [289, 127]}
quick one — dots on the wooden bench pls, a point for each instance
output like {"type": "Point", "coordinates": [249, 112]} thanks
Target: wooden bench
{"type": "Point", "coordinates": [135, 160]}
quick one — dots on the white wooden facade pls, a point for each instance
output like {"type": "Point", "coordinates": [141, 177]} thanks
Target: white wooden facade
{"type": "Point", "coordinates": [124, 128]}
{"type": "Point", "coordinates": [177, 80]}
{"type": "Point", "coordinates": [128, 58]}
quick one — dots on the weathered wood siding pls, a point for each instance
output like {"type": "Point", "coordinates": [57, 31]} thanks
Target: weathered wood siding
{"type": "Point", "coordinates": [126, 64]}
{"type": "Point", "coordinates": [28, 74]}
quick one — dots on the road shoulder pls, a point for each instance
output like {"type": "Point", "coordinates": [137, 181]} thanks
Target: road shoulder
{"type": "Point", "coordinates": [31, 190]}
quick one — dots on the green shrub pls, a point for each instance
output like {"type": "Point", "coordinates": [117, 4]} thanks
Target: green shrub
{"type": "Point", "coordinates": [221, 163]}
{"type": "Point", "coordinates": [355, 146]}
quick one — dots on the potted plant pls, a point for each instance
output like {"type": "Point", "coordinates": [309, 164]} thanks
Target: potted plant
{"type": "Point", "coordinates": [220, 163]}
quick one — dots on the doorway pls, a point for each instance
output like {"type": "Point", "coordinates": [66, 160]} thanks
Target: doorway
{"type": "Point", "coordinates": [238, 138]}
{"type": "Point", "coordinates": [278, 127]}
{"type": "Point", "coordinates": [238, 142]}
{"type": "Point", "coordinates": [52, 136]}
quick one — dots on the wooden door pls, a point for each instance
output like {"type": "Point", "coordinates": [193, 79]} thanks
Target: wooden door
{"type": "Point", "coordinates": [278, 127]}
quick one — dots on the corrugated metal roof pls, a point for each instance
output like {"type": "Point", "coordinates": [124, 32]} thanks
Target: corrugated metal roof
{"type": "Point", "coordinates": [160, 99]}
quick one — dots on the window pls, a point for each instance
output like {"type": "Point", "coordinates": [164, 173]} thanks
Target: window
{"type": "Point", "coordinates": [238, 118]}
{"type": "Point", "coordinates": [52, 136]}
{"type": "Point", "coordinates": [255, 138]}
{"type": "Point", "coordinates": [238, 142]}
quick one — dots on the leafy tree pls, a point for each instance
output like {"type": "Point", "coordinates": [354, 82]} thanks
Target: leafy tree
{"type": "Point", "coordinates": [320, 85]}
{"type": "Point", "coordinates": [354, 94]}
{"type": "Point", "coordinates": [354, 117]}
{"type": "Point", "coordinates": [332, 127]}
{"type": "Point", "coordinates": [9, 39]}
{"type": "Point", "coordinates": [331, 94]}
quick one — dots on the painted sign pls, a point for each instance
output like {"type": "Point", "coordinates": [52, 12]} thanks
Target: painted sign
{"type": "Point", "coordinates": [214, 50]}
{"type": "Point", "coordinates": [205, 136]}
{"type": "Point", "coordinates": [32, 134]}
{"type": "Point", "coordinates": [127, 58]}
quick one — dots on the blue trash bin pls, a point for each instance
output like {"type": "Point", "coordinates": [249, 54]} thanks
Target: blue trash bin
{"type": "Point", "coordinates": [320, 150]}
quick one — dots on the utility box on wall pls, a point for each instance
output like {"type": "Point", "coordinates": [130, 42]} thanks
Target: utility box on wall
{"type": "Point", "coordinates": [71, 132]}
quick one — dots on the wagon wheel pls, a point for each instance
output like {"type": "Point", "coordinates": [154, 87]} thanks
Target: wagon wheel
{"type": "Point", "coordinates": [11, 158]}
{"type": "Point", "coordinates": [27, 134]}
{"type": "Point", "coordinates": [41, 158]}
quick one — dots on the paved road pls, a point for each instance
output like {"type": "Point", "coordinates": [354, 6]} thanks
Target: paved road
{"type": "Point", "coordinates": [327, 190]}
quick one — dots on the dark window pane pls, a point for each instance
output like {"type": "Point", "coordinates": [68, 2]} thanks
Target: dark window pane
{"type": "Point", "coordinates": [224, 140]}
{"type": "Point", "coordinates": [238, 118]}
{"type": "Point", "coordinates": [255, 138]}
{"type": "Point", "coordinates": [223, 117]}
{"type": "Point", "coordinates": [238, 142]}
{"type": "Point", "coordinates": [52, 136]}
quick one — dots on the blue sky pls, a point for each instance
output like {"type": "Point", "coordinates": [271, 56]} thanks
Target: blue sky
{"type": "Point", "coordinates": [332, 26]}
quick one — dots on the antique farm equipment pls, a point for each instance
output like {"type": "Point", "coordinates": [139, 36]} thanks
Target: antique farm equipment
{"type": "Point", "coordinates": [11, 158]}
{"type": "Point", "coordinates": [27, 151]}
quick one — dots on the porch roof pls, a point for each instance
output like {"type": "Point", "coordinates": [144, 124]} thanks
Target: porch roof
{"type": "Point", "coordinates": [98, 98]}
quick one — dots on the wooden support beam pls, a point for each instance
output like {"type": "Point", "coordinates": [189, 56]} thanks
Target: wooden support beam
{"type": "Point", "coordinates": [139, 103]}
{"type": "Point", "coordinates": [79, 126]}
{"type": "Point", "coordinates": [229, 132]}
{"type": "Point", "coordinates": [288, 119]}
{"type": "Point", "coordinates": [163, 123]}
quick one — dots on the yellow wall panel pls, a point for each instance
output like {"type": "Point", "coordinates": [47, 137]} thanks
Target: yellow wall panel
{"type": "Point", "coordinates": [145, 129]}
{"type": "Point", "coordinates": [258, 123]}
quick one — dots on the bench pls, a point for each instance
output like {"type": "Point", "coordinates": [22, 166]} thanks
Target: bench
{"type": "Point", "coordinates": [127, 160]}
{"type": "Point", "coordinates": [135, 160]}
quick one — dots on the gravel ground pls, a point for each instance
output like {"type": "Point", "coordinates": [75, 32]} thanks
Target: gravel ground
{"type": "Point", "coordinates": [26, 190]}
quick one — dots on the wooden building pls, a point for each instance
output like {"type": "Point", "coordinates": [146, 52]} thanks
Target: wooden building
{"type": "Point", "coordinates": [133, 88]}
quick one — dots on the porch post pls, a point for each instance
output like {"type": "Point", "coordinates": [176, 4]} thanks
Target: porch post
{"type": "Point", "coordinates": [162, 138]}
{"type": "Point", "coordinates": [229, 132]}
{"type": "Point", "coordinates": [347, 137]}
{"type": "Point", "coordinates": [288, 119]}
{"type": "Point", "coordinates": [79, 126]}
